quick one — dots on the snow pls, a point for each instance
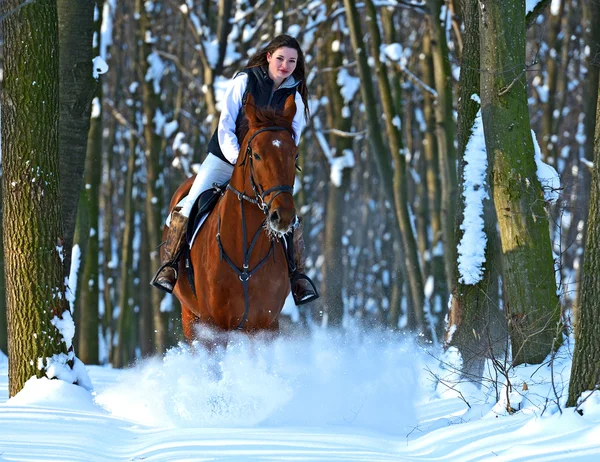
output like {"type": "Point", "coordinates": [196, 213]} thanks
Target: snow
{"type": "Point", "coordinates": [156, 67]}
{"type": "Point", "coordinates": [530, 5]}
{"type": "Point", "coordinates": [71, 283]}
{"type": "Point", "coordinates": [338, 164]}
{"type": "Point", "coordinates": [547, 175]}
{"type": "Point", "coordinates": [471, 248]}
{"type": "Point", "coordinates": [362, 396]}
{"type": "Point", "coordinates": [349, 85]}
{"type": "Point", "coordinates": [99, 67]}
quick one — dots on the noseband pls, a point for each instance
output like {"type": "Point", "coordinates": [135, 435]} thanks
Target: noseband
{"type": "Point", "coordinates": [259, 193]}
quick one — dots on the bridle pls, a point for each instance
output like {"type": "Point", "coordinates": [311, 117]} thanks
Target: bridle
{"type": "Point", "coordinates": [260, 194]}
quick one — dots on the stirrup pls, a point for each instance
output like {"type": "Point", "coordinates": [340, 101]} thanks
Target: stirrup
{"type": "Point", "coordinates": [303, 301]}
{"type": "Point", "coordinates": [154, 281]}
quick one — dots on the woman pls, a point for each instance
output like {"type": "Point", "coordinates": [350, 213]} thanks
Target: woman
{"type": "Point", "coordinates": [272, 74]}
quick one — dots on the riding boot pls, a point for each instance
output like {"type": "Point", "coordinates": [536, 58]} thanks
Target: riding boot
{"type": "Point", "coordinates": [303, 289]}
{"type": "Point", "coordinates": [166, 276]}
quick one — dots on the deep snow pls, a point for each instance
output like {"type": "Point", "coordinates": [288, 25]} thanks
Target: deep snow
{"type": "Point", "coordinates": [354, 397]}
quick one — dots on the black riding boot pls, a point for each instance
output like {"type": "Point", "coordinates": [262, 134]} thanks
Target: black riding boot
{"type": "Point", "coordinates": [166, 276]}
{"type": "Point", "coordinates": [303, 289]}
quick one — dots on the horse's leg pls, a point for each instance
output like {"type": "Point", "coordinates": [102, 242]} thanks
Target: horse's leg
{"type": "Point", "coordinates": [271, 332]}
{"type": "Point", "coordinates": [188, 320]}
{"type": "Point", "coordinates": [274, 327]}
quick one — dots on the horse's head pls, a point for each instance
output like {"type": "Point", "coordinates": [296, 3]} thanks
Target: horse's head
{"type": "Point", "coordinates": [268, 155]}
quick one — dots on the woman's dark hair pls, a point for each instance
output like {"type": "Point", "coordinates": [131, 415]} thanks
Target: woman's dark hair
{"type": "Point", "coordinates": [260, 59]}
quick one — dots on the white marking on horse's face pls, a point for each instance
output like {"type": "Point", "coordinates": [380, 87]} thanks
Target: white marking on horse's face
{"type": "Point", "coordinates": [277, 143]}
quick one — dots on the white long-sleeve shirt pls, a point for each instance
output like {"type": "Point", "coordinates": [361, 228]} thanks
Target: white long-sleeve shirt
{"type": "Point", "coordinates": [232, 104]}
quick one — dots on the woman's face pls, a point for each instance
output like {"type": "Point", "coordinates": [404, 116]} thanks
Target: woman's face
{"type": "Point", "coordinates": [282, 62]}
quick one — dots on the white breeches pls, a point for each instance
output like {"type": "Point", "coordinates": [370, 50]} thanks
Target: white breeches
{"type": "Point", "coordinates": [213, 170]}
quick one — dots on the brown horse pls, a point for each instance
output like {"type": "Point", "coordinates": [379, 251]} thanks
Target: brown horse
{"type": "Point", "coordinates": [240, 269]}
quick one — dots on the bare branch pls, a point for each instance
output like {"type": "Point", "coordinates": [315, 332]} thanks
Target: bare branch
{"type": "Point", "coordinates": [335, 131]}
{"type": "Point", "coordinates": [123, 121]}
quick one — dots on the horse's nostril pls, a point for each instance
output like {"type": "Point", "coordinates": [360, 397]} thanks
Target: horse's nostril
{"type": "Point", "coordinates": [275, 217]}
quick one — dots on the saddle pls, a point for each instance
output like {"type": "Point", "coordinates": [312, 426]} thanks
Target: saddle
{"type": "Point", "coordinates": [205, 203]}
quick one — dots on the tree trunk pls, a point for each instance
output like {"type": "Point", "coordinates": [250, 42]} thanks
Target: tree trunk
{"type": "Point", "coordinates": [80, 241]}
{"type": "Point", "coordinates": [3, 332]}
{"type": "Point", "coordinates": [333, 250]}
{"type": "Point", "coordinates": [123, 351]}
{"type": "Point", "coordinates": [393, 123]}
{"type": "Point", "coordinates": [585, 374]}
{"type": "Point", "coordinates": [591, 38]}
{"type": "Point", "coordinates": [432, 176]}
{"type": "Point", "coordinates": [444, 117]}
{"type": "Point", "coordinates": [529, 284]}
{"type": "Point", "coordinates": [154, 183]}
{"type": "Point", "coordinates": [88, 321]}
{"type": "Point", "coordinates": [554, 44]}
{"type": "Point", "coordinates": [77, 88]}
{"type": "Point", "coordinates": [475, 320]}
{"type": "Point", "coordinates": [145, 300]}
{"type": "Point", "coordinates": [32, 233]}
{"type": "Point", "coordinates": [379, 150]}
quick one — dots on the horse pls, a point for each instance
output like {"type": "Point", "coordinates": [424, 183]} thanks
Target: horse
{"type": "Point", "coordinates": [240, 269]}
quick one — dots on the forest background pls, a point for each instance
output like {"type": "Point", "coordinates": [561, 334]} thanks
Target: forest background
{"type": "Point", "coordinates": [382, 160]}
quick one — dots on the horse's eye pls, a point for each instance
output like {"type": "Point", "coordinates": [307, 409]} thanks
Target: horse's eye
{"type": "Point", "coordinates": [256, 156]}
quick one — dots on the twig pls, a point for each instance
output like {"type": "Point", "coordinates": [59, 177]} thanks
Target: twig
{"type": "Point", "coordinates": [123, 121]}
{"type": "Point", "coordinates": [505, 90]}
{"type": "Point", "coordinates": [344, 134]}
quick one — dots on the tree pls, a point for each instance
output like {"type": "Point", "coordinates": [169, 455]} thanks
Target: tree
{"type": "Point", "coordinates": [585, 374]}
{"type": "Point", "coordinates": [393, 122]}
{"type": "Point", "coordinates": [334, 226]}
{"type": "Point", "coordinates": [88, 309]}
{"type": "Point", "coordinates": [379, 149]}
{"type": "Point", "coordinates": [445, 132]}
{"type": "Point", "coordinates": [154, 163]}
{"type": "Point", "coordinates": [591, 37]}
{"type": "Point", "coordinates": [37, 309]}
{"type": "Point", "coordinates": [528, 272]}
{"type": "Point", "coordinates": [474, 317]}
{"type": "Point", "coordinates": [77, 88]}
{"type": "Point", "coordinates": [124, 349]}
{"type": "Point", "coordinates": [3, 337]}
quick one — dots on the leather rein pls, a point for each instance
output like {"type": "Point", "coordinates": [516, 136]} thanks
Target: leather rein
{"type": "Point", "coordinates": [260, 194]}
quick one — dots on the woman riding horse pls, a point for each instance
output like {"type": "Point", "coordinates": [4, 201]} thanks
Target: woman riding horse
{"type": "Point", "coordinates": [272, 74]}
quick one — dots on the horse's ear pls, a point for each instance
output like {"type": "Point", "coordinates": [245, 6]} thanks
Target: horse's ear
{"type": "Point", "coordinates": [250, 109]}
{"type": "Point", "coordinates": [289, 110]}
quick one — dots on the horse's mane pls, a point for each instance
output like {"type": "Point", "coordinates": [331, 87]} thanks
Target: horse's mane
{"type": "Point", "coordinates": [265, 117]}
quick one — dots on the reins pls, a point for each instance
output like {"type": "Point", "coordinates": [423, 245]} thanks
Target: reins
{"type": "Point", "coordinates": [245, 272]}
